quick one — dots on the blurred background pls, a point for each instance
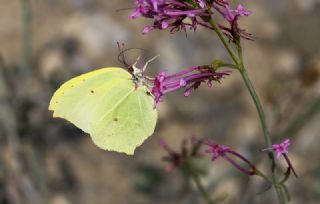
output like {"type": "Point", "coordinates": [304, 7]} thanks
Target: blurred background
{"type": "Point", "coordinates": [43, 160]}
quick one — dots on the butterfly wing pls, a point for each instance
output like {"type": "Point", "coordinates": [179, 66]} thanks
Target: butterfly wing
{"type": "Point", "coordinates": [106, 104]}
{"type": "Point", "coordinates": [128, 125]}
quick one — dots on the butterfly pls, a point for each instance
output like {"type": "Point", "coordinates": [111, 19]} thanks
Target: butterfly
{"type": "Point", "coordinates": [113, 105]}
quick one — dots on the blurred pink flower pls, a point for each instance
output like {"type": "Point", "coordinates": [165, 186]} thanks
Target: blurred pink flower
{"type": "Point", "coordinates": [222, 151]}
{"type": "Point", "coordinates": [281, 148]}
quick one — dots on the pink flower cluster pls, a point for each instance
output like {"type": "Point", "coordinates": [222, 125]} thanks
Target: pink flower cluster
{"type": "Point", "coordinates": [170, 14]}
{"type": "Point", "coordinates": [179, 15]}
{"type": "Point", "coordinates": [189, 79]}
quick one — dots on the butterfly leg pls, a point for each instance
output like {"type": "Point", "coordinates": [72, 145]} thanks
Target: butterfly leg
{"type": "Point", "coordinates": [150, 60]}
{"type": "Point", "coordinates": [136, 62]}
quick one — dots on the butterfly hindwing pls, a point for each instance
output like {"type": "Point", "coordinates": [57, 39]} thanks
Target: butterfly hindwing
{"type": "Point", "coordinates": [128, 125]}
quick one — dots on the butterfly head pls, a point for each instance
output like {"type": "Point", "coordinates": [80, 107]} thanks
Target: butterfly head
{"type": "Point", "coordinates": [138, 73]}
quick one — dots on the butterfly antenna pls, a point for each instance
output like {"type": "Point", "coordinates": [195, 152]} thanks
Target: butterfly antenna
{"type": "Point", "coordinates": [121, 57]}
{"type": "Point", "coordinates": [150, 60]}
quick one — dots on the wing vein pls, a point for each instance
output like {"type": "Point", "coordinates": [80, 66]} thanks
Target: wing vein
{"type": "Point", "coordinates": [83, 100]}
{"type": "Point", "coordinates": [115, 106]}
{"type": "Point", "coordinates": [141, 112]}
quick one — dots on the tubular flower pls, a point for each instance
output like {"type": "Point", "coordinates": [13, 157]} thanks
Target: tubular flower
{"type": "Point", "coordinates": [282, 149]}
{"type": "Point", "coordinates": [174, 158]}
{"type": "Point", "coordinates": [233, 32]}
{"type": "Point", "coordinates": [230, 15]}
{"type": "Point", "coordinates": [223, 151]}
{"type": "Point", "coordinates": [177, 159]}
{"type": "Point", "coordinates": [179, 15]}
{"type": "Point", "coordinates": [174, 14]}
{"type": "Point", "coordinates": [189, 79]}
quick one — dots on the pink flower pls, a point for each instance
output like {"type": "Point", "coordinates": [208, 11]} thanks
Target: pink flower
{"type": "Point", "coordinates": [177, 159]}
{"type": "Point", "coordinates": [229, 14]}
{"type": "Point", "coordinates": [217, 151]}
{"type": "Point", "coordinates": [281, 148]}
{"type": "Point", "coordinates": [179, 15]}
{"type": "Point", "coordinates": [223, 151]}
{"type": "Point", "coordinates": [232, 15]}
{"type": "Point", "coordinates": [188, 79]}
{"type": "Point", "coordinates": [240, 10]}
{"type": "Point", "coordinates": [170, 14]}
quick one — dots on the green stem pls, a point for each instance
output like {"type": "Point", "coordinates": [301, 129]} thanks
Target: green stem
{"type": "Point", "coordinates": [265, 128]}
{"type": "Point", "coordinates": [238, 60]}
{"type": "Point", "coordinates": [8, 122]}
{"type": "Point", "coordinates": [259, 173]}
{"type": "Point", "coordinates": [232, 66]}
{"type": "Point", "coordinates": [39, 174]}
{"type": "Point", "coordinates": [199, 185]}
{"type": "Point", "coordinates": [26, 45]}
{"type": "Point", "coordinates": [26, 77]}
{"type": "Point", "coordinates": [224, 41]}
{"type": "Point", "coordinates": [258, 105]}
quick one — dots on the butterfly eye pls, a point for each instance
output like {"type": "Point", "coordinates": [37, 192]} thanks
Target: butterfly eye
{"type": "Point", "coordinates": [130, 70]}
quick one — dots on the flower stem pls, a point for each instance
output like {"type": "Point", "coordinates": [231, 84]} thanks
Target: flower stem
{"type": "Point", "coordinates": [194, 175]}
{"type": "Point", "coordinates": [238, 60]}
{"type": "Point", "coordinates": [26, 47]}
{"type": "Point", "coordinates": [259, 173]}
{"type": "Point", "coordinates": [225, 43]}
{"type": "Point", "coordinates": [264, 124]}
{"type": "Point", "coordinates": [258, 105]}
